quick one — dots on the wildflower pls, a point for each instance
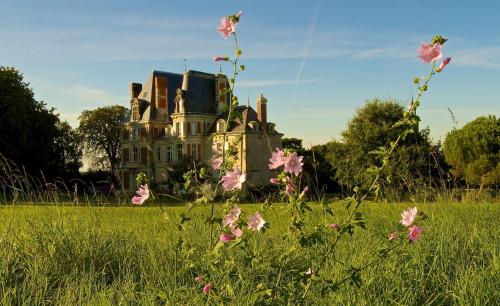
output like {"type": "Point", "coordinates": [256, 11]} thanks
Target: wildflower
{"type": "Point", "coordinates": [221, 58]}
{"type": "Point", "coordinates": [430, 53]}
{"type": "Point", "coordinates": [233, 179]}
{"type": "Point", "coordinates": [443, 64]}
{"type": "Point", "coordinates": [232, 217]}
{"type": "Point", "coordinates": [414, 233]}
{"type": "Point", "coordinates": [198, 279]}
{"type": "Point", "coordinates": [255, 222]}
{"type": "Point", "coordinates": [304, 192]}
{"type": "Point", "coordinates": [277, 159]}
{"type": "Point", "coordinates": [236, 231]}
{"type": "Point", "coordinates": [216, 163]}
{"type": "Point", "coordinates": [226, 237]}
{"type": "Point", "coordinates": [293, 163]}
{"type": "Point", "coordinates": [274, 181]}
{"type": "Point", "coordinates": [288, 186]}
{"type": "Point", "coordinates": [408, 216]}
{"type": "Point", "coordinates": [207, 288]}
{"type": "Point", "coordinates": [227, 26]}
{"type": "Point", "coordinates": [393, 236]}
{"type": "Point", "coordinates": [334, 226]}
{"type": "Point", "coordinates": [142, 194]}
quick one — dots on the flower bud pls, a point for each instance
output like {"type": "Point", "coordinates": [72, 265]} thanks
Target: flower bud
{"type": "Point", "coordinates": [238, 52]}
{"type": "Point", "coordinates": [221, 58]}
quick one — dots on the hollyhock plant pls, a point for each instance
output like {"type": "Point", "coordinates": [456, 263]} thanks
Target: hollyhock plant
{"type": "Point", "coordinates": [232, 217]}
{"type": "Point", "coordinates": [255, 222]}
{"type": "Point", "coordinates": [293, 163]}
{"type": "Point", "coordinates": [142, 194]}
{"type": "Point", "coordinates": [430, 52]}
{"type": "Point", "coordinates": [207, 288]}
{"type": "Point", "coordinates": [236, 231]}
{"type": "Point", "coordinates": [226, 27]}
{"type": "Point", "coordinates": [226, 237]}
{"type": "Point", "coordinates": [221, 58]}
{"type": "Point", "coordinates": [288, 185]}
{"type": "Point", "coordinates": [414, 234]}
{"type": "Point", "coordinates": [216, 163]}
{"type": "Point", "coordinates": [408, 216]}
{"type": "Point", "coordinates": [334, 226]}
{"type": "Point", "coordinates": [198, 279]}
{"type": "Point", "coordinates": [443, 64]}
{"type": "Point", "coordinates": [277, 159]}
{"type": "Point", "coordinates": [233, 179]}
{"type": "Point", "coordinates": [274, 181]}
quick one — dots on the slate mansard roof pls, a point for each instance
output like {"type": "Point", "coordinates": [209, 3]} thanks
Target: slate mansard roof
{"type": "Point", "coordinates": [199, 96]}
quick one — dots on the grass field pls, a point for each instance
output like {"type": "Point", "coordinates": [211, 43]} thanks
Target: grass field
{"type": "Point", "coordinates": [127, 255]}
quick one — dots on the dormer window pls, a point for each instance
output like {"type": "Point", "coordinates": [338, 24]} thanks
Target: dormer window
{"type": "Point", "coordinates": [254, 126]}
{"type": "Point", "coordinates": [135, 111]}
{"type": "Point", "coordinates": [221, 126]}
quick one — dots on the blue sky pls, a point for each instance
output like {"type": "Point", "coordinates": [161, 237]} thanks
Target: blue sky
{"type": "Point", "coordinates": [316, 61]}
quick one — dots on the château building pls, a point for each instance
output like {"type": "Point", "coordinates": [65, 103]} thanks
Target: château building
{"type": "Point", "coordinates": [174, 115]}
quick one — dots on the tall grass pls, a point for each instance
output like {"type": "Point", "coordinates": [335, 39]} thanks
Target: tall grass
{"type": "Point", "coordinates": [111, 255]}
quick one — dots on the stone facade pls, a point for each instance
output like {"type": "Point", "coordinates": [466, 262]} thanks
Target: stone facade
{"type": "Point", "coordinates": [175, 115]}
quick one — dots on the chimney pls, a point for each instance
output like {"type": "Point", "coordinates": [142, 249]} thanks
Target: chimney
{"type": "Point", "coordinates": [135, 90]}
{"type": "Point", "coordinates": [185, 82]}
{"type": "Point", "coordinates": [262, 111]}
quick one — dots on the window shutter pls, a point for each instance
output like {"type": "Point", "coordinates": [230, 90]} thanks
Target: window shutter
{"type": "Point", "coordinates": [125, 155]}
{"type": "Point", "coordinates": [188, 128]}
{"type": "Point", "coordinates": [189, 149]}
{"type": "Point", "coordinates": [144, 156]}
{"type": "Point", "coordinates": [143, 132]}
{"type": "Point", "coordinates": [199, 151]}
{"type": "Point", "coordinates": [199, 128]}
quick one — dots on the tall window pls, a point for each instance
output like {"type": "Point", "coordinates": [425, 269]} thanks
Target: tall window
{"type": "Point", "coordinates": [194, 128]}
{"type": "Point", "coordinates": [135, 133]}
{"type": "Point", "coordinates": [179, 151]}
{"type": "Point", "coordinates": [135, 154]}
{"type": "Point", "coordinates": [221, 126]}
{"type": "Point", "coordinates": [194, 151]}
{"type": "Point", "coordinates": [170, 153]}
{"type": "Point", "coordinates": [158, 153]}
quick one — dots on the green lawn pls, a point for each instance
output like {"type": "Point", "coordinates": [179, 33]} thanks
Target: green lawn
{"type": "Point", "coordinates": [127, 255]}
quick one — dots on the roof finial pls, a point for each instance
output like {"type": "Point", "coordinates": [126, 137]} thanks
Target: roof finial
{"type": "Point", "coordinates": [185, 66]}
{"type": "Point", "coordinates": [220, 68]}
{"type": "Point", "coordinates": [248, 101]}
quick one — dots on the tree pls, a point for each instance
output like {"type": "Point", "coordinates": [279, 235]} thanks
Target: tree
{"type": "Point", "coordinates": [27, 127]}
{"type": "Point", "coordinates": [67, 150]}
{"type": "Point", "coordinates": [372, 128]}
{"type": "Point", "coordinates": [100, 130]}
{"type": "Point", "coordinates": [474, 151]}
{"type": "Point", "coordinates": [294, 144]}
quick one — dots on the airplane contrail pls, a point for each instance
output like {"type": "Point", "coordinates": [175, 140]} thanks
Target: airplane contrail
{"type": "Point", "coordinates": [307, 46]}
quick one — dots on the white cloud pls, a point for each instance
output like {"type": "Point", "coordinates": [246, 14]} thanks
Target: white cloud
{"type": "Point", "coordinates": [488, 57]}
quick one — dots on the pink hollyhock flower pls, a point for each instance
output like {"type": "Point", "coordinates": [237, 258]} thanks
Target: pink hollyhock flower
{"type": "Point", "coordinates": [277, 159]}
{"type": "Point", "coordinates": [198, 279]}
{"type": "Point", "coordinates": [233, 179]}
{"type": "Point", "coordinates": [293, 163]}
{"type": "Point", "coordinates": [288, 186]}
{"type": "Point", "coordinates": [227, 27]}
{"type": "Point", "coordinates": [207, 288]}
{"type": "Point", "coordinates": [255, 222]}
{"type": "Point", "coordinates": [274, 181]}
{"type": "Point", "coordinates": [216, 163]}
{"type": "Point", "coordinates": [430, 53]}
{"type": "Point", "coordinates": [443, 64]}
{"type": "Point", "coordinates": [414, 233]}
{"type": "Point", "coordinates": [142, 194]}
{"type": "Point", "coordinates": [221, 58]}
{"type": "Point", "coordinates": [304, 192]}
{"type": "Point", "coordinates": [226, 237]}
{"type": "Point", "coordinates": [393, 236]}
{"type": "Point", "coordinates": [232, 217]}
{"type": "Point", "coordinates": [236, 231]}
{"type": "Point", "coordinates": [408, 216]}
{"type": "Point", "coordinates": [334, 226]}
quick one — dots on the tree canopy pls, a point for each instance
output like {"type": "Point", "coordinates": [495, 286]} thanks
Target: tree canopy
{"type": "Point", "coordinates": [27, 126]}
{"type": "Point", "coordinates": [371, 128]}
{"type": "Point", "coordinates": [101, 134]}
{"type": "Point", "coordinates": [474, 151]}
